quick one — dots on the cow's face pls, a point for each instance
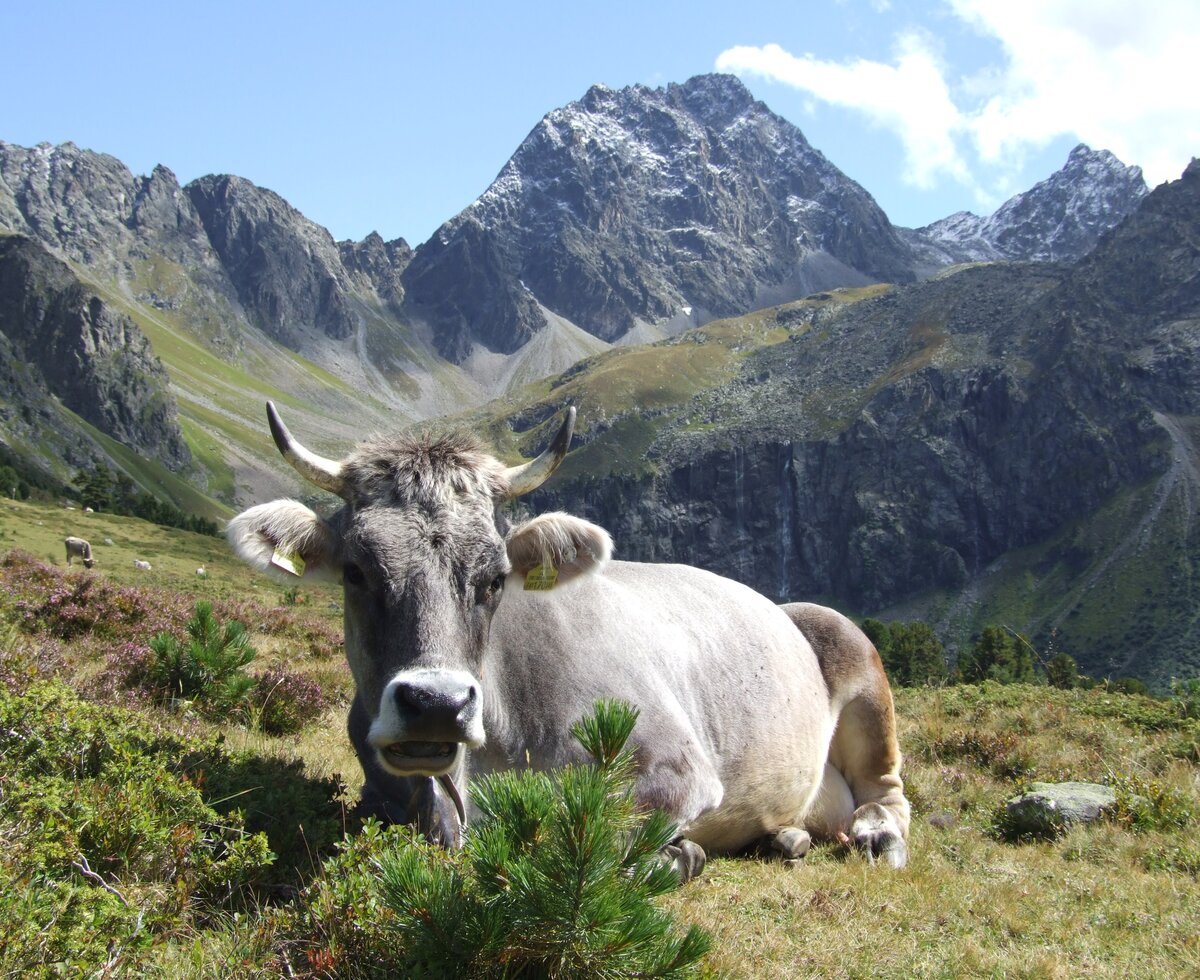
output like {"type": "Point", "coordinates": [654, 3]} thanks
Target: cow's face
{"type": "Point", "coordinates": [424, 560]}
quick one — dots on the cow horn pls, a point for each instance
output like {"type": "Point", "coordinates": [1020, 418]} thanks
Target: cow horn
{"type": "Point", "coordinates": [325, 473]}
{"type": "Point", "coordinates": [529, 476]}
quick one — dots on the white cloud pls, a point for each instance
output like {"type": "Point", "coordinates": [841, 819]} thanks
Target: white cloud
{"type": "Point", "coordinates": [1114, 75]}
{"type": "Point", "coordinates": [1105, 72]}
{"type": "Point", "coordinates": [909, 97]}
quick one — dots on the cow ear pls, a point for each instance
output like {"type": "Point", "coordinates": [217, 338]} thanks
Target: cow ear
{"type": "Point", "coordinates": [271, 537]}
{"type": "Point", "coordinates": [573, 546]}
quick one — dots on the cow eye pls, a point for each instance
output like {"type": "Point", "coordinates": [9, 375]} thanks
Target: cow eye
{"type": "Point", "coordinates": [494, 587]}
{"type": "Point", "coordinates": [353, 574]}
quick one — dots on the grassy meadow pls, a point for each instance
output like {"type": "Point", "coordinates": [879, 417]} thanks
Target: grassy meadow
{"type": "Point", "coordinates": [134, 831]}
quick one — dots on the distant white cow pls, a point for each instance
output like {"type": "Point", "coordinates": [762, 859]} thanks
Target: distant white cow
{"type": "Point", "coordinates": [78, 548]}
{"type": "Point", "coordinates": [143, 565]}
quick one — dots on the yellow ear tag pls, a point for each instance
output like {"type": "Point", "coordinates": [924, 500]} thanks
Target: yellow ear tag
{"type": "Point", "coordinates": [541, 578]}
{"type": "Point", "coordinates": [290, 562]}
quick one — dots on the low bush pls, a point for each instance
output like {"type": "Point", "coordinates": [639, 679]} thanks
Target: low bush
{"type": "Point", "coordinates": [1149, 804]}
{"type": "Point", "coordinates": [106, 841]}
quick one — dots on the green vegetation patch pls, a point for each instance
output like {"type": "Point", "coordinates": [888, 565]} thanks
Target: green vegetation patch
{"type": "Point", "coordinates": [107, 840]}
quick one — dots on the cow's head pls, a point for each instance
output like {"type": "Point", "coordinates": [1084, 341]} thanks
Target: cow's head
{"type": "Point", "coordinates": [424, 556]}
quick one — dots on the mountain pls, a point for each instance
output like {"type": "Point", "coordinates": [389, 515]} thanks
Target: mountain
{"type": "Point", "coordinates": [65, 351]}
{"type": "Point", "coordinates": [1059, 219]}
{"type": "Point", "coordinates": [637, 213]}
{"type": "Point", "coordinates": [242, 298]}
{"type": "Point", "coordinates": [1008, 442]}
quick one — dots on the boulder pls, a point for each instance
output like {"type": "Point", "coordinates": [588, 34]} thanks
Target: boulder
{"type": "Point", "coordinates": [1048, 809]}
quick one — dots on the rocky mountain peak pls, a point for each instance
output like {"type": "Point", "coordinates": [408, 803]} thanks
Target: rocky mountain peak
{"type": "Point", "coordinates": [716, 99]}
{"type": "Point", "coordinates": [1062, 217]}
{"type": "Point", "coordinates": [287, 270]}
{"type": "Point", "coordinates": [1059, 219]}
{"type": "Point", "coordinates": [637, 212]}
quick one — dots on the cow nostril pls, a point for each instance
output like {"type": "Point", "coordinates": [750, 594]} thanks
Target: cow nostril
{"type": "Point", "coordinates": [411, 696]}
{"type": "Point", "coordinates": [427, 700]}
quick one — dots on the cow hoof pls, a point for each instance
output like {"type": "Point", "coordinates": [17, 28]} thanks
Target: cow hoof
{"type": "Point", "coordinates": [876, 834]}
{"type": "Point", "coordinates": [686, 857]}
{"type": "Point", "coordinates": [790, 843]}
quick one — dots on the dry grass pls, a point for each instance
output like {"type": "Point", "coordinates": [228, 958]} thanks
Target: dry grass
{"type": "Point", "coordinates": [967, 904]}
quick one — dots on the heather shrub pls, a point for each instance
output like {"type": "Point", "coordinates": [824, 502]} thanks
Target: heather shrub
{"type": "Point", "coordinates": [24, 660]}
{"type": "Point", "coordinates": [46, 601]}
{"type": "Point", "coordinates": [284, 701]}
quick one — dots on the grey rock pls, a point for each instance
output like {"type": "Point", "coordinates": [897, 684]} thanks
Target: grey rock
{"type": "Point", "coordinates": [1047, 809]}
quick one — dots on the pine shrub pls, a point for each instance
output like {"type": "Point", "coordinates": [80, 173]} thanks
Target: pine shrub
{"type": "Point", "coordinates": [207, 668]}
{"type": "Point", "coordinates": [557, 878]}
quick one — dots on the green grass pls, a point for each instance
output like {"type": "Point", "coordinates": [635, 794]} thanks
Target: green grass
{"type": "Point", "coordinates": [1105, 901]}
{"type": "Point", "coordinates": [157, 479]}
{"type": "Point", "coordinates": [174, 554]}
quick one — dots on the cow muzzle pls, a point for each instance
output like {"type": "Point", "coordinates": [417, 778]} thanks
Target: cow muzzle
{"type": "Point", "coordinates": [426, 718]}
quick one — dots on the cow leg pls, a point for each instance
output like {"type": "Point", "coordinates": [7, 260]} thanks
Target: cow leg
{"type": "Point", "coordinates": [684, 784]}
{"type": "Point", "coordinates": [686, 857]}
{"type": "Point", "coordinates": [788, 843]}
{"type": "Point", "coordinates": [865, 750]}
{"type": "Point", "coordinates": [391, 799]}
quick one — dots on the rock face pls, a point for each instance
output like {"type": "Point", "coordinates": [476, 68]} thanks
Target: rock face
{"type": "Point", "coordinates": [649, 207]}
{"type": "Point", "coordinates": [1059, 219]}
{"type": "Point", "coordinates": [287, 271]}
{"type": "Point", "coordinates": [73, 345]}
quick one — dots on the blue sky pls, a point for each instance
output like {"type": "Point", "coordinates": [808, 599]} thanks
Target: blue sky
{"type": "Point", "coordinates": [393, 117]}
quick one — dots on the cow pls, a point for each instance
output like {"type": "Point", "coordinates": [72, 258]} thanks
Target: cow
{"type": "Point", "coordinates": [475, 643]}
{"type": "Point", "coordinates": [78, 548]}
{"type": "Point", "coordinates": [143, 565]}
